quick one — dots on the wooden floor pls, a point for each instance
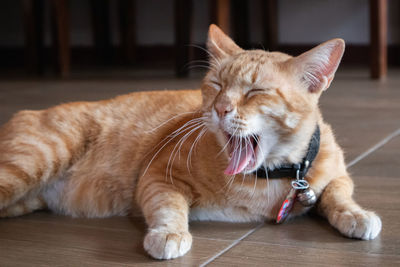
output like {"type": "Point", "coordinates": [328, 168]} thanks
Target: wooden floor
{"type": "Point", "coordinates": [366, 117]}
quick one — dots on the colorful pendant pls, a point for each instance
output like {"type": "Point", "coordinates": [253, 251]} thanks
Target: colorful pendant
{"type": "Point", "coordinates": [287, 206]}
{"type": "Point", "coordinates": [300, 190]}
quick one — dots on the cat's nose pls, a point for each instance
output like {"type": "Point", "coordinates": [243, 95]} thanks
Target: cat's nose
{"type": "Point", "coordinates": [223, 109]}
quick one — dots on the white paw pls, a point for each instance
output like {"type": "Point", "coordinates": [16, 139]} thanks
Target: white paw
{"type": "Point", "coordinates": [166, 245]}
{"type": "Point", "coordinates": [361, 224]}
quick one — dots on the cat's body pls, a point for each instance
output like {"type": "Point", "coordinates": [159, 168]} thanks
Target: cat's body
{"type": "Point", "coordinates": [74, 138]}
{"type": "Point", "coordinates": [175, 155]}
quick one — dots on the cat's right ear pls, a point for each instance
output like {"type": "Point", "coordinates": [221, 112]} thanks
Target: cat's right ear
{"type": "Point", "coordinates": [220, 45]}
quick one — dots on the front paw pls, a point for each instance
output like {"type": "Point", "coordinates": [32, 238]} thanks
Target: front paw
{"type": "Point", "coordinates": [361, 224]}
{"type": "Point", "coordinates": [167, 245]}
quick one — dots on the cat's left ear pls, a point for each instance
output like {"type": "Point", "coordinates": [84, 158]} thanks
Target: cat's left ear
{"type": "Point", "coordinates": [316, 67]}
{"type": "Point", "coordinates": [220, 45]}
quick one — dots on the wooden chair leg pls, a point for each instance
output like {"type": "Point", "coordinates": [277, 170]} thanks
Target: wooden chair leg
{"type": "Point", "coordinates": [183, 26]}
{"type": "Point", "coordinates": [60, 31]}
{"type": "Point", "coordinates": [220, 11]}
{"type": "Point", "coordinates": [127, 26]}
{"type": "Point", "coordinates": [378, 35]}
{"type": "Point", "coordinates": [240, 26]}
{"type": "Point", "coordinates": [270, 20]}
{"type": "Point", "coordinates": [101, 30]}
{"type": "Point", "coordinates": [33, 29]}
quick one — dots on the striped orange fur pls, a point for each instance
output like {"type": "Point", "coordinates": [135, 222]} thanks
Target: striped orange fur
{"type": "Point", "coordinates": [180, 155]}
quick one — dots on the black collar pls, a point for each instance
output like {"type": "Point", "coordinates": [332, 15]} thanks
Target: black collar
{"type": "Point", "coordinates": [290, 170]}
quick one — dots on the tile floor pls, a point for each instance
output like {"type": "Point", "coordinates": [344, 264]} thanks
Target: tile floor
{"type": "Point", "coordinates": [365, 115]}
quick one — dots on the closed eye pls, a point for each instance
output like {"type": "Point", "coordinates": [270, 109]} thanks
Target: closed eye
{"type": "Point", "coordinates": [217, 85]}
{"type": "Point", "coordinates": [254, 91]}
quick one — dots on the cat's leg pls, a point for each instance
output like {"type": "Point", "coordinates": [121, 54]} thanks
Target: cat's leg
{"type": "Point", "coordinates": [23, 206]}
{"type": "Point", "coordinates": [338, 206]}
{"type": "Point", "coordinates": [166, 213]}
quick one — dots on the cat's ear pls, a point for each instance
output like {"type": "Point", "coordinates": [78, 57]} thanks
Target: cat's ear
{"type": "Point", "coordinates": [316, 67]}
{"type": "Point", "coordinates": [219, 44]}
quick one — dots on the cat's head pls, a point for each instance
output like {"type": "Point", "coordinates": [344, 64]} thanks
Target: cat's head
{"type": "Point", "coordinates": [263, 106]}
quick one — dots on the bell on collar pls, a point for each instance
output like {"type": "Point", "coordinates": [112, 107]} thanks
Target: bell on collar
{"type": "Point", "coordinates": [307, 197]}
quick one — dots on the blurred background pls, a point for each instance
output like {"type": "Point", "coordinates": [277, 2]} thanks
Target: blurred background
{"type": "Point", "coordinates": [57, 51]}
{"type": "Point", "coordinates": [70, 38]}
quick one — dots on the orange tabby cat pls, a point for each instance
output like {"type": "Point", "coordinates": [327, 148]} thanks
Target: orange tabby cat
{"type": "Point", "coordinates": [180, 155]}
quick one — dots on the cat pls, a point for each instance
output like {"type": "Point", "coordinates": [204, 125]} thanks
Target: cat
{"type": "Point", "coordinates": [187, 155]}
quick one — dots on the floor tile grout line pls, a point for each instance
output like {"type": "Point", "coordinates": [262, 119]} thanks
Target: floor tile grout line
{"type": "Point", "coordinates": [234, 243]}
{"type": "Point", "coordinates": [374, 148]}
{"type": "Point", "coordinates": [353, 162]}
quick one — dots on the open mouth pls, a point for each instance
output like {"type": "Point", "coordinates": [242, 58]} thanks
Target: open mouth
{"type": "Point", "coordinates": [242, 153]}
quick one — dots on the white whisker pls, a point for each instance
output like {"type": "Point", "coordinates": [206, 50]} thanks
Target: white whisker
{"type": "Point", "coordinates": [171, 136]}
{"type": "Point", "coordinates": [231, 181]}
{"type": "Point", "coordinates": [256, 138]}
{"type": "Point", "coordinates": [226, 145]}
{"type": "Point", "coordinates": [209, 53]}
{"type": "Point", "coordinates": [193, 147]}
{"type": "Point", "coordinates": [178, 146]}
{"type": "Point", "coordinates": [209, 64]}
{"type": "Point", "coordinates": [173, 117]}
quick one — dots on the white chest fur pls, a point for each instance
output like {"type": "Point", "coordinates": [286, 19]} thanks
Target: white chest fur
{"type": "Point", "coordinates": [224, 214]}
{"type": "Point", "coordinates": [245, 202]}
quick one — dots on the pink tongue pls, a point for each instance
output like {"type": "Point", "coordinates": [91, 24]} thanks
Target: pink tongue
{"type": "Point", "coordinates": [240, 159]}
